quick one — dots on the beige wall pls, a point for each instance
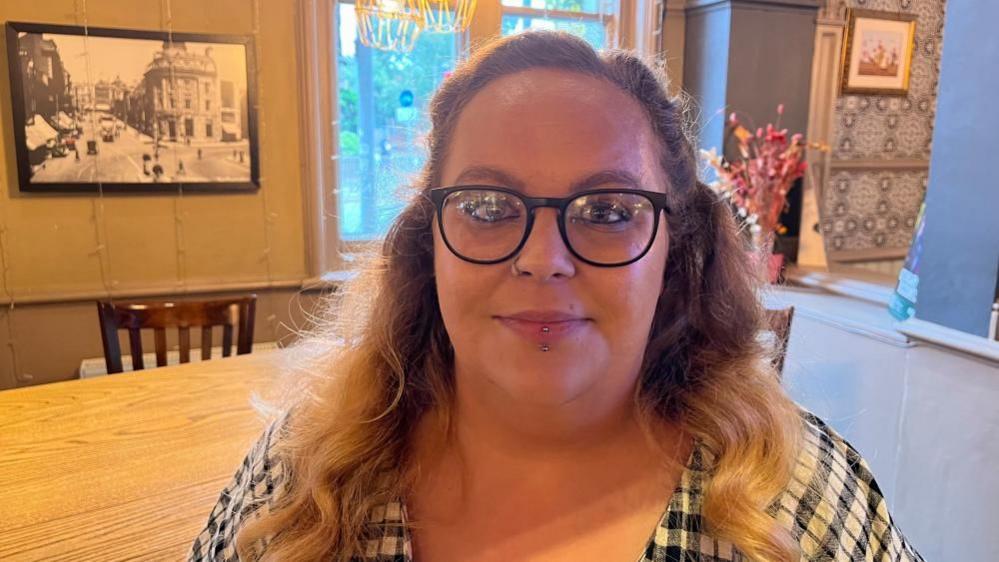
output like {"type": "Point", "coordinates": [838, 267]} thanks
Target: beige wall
{"type": "Point", "coordinates": [51, 243]}
{"type": "Point", "coordinates": [50, 340]}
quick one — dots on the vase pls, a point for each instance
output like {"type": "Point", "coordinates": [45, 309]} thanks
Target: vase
{"type": "Point", "coordinates": [767, 264]}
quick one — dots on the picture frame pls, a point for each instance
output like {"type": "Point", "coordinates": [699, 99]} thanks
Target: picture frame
{"type": "Point", "coordinates": [877, 52]}
{"type": "Point", "coordinates": [121, 110]}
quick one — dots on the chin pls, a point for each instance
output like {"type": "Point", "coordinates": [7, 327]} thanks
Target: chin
{"type": "Point", "coordinates": [545, 378]}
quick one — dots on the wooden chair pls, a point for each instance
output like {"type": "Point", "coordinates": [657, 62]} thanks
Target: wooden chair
{"type": "Point", "coordinates": [159, 316]}
{"type": "Point", "coordinates": [779, 322]}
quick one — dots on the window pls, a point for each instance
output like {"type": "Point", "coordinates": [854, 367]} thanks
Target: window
{"type": "Point", "coordinates": [382, 101]}
{"type": "Point", "coordinates": [593, 20]}
{"type": "Point", "coordinates": [187, 103]}
{"type": "Point", "coordinates": [377, 104]}
{"type": "Point", "coordinates": [208, 105]}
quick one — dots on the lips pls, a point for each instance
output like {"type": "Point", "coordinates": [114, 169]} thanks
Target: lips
{"type": "Point", "coordinates": [530, 325]}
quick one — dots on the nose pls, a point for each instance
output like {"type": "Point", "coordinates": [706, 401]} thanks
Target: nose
{"type": "Point", "coordinates": [544, 254]}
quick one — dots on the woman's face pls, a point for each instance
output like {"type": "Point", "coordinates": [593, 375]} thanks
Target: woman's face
{"type": "Point", "coordinates": [541, 132]}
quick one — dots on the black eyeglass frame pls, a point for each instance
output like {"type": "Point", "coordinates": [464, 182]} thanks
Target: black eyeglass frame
{"type": "Point", "coordinates": [440, 194]}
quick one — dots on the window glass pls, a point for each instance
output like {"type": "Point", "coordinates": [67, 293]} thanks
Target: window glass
{"type": "Point", "coordinates": [382, 99]}
{"type": "Point", "coordinates": [588, 6]}
{"type": "Point", "coordinates": [533, 14]}
{"type": "Point", "coordinates": [592, 31]}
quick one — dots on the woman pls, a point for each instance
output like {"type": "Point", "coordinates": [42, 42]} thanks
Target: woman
{"type": "Point", "coordinates": [552, 358]}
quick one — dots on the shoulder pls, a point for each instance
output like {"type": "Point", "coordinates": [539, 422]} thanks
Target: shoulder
{"type": "Point", "coordinates": [258, 481]}
{"type": "Point", "coordinates": [834, 504]}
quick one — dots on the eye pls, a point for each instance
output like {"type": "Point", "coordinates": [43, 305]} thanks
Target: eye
{"type": "Point", "coordinates": [601, 211]}
{"type": "Point", "coordinates": [488, 207]}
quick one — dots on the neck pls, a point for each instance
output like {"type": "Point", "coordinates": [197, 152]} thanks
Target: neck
{"type": "Point", "coordinates": [543, 452]}
{"type": "Point", "coordinates": [536, 449]}
{"type": "Point", "coordinates": [496, 424]}
{"type": "Point", "coordinates": [489, 432]}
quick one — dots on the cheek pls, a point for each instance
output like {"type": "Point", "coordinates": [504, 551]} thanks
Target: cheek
{"type": "Point", "coordinates": [653, 264]}
{"type": "Point", "coordinates": [445, 272]}
{"type": "Point", "coordinates": [637, 294]}
{"type": "Point", "coordinates": [660, 251]}
{"type": "Point", "coordinates": [460, 285]}
{"type": "Point", "coordinates": [643, 282]}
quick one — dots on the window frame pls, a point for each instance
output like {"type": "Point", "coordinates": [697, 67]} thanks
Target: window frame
{"type": "Point", "coordinates": [327, 256]}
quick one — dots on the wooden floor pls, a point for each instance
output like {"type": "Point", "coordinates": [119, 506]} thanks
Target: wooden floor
{"type": "Point", "coordinates": [124, 467]}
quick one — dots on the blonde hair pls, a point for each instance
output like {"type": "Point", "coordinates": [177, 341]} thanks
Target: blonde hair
{"type": "Point", "coordinates": [381, 357]}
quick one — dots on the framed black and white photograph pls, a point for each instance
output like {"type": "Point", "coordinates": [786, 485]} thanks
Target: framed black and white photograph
{"type": "Point", "coordinates": [118, 110]}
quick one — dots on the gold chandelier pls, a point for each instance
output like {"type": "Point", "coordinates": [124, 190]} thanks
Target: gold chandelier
{"type": "Point", "coordinates": [388, 25]}
{"type": "Point", "coordinates": [438, 15]}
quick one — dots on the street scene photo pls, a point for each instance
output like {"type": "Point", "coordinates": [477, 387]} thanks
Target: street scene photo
{"type": "Point", "coordinates": [106, 110]}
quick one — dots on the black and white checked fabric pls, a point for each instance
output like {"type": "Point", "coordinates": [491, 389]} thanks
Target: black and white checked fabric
{"type": "Point", "coordinates": [833, 504]}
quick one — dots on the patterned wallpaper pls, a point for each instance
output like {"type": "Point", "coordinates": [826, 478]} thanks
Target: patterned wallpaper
{"type": "Point", "coordinates": [874, 208]}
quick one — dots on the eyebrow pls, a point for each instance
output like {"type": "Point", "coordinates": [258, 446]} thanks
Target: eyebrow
{"type": "Point", "coordinates": [489, 173]}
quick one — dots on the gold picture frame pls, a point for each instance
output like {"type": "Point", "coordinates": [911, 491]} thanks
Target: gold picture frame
{"type": "Point", "coordinates": [877, 53]}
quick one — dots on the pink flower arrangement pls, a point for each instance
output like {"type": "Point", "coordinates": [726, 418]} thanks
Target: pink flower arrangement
{"type": "Point", "coordinates": [757, 184]}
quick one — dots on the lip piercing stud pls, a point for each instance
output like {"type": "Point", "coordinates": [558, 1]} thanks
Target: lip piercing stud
{"type": "Point", "coordinates": [544, 347]}
{"type": "Point", "coordinates": [545, 329]}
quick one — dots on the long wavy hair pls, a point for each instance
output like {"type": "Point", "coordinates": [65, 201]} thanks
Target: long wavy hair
{"type": "Point", "coordinates": [380, 357]}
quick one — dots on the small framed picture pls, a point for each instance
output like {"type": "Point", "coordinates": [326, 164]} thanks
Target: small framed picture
{"type": "Point", "coordinates": [122, 110]}
{"type": "Point", "coordinates": [877, 53]}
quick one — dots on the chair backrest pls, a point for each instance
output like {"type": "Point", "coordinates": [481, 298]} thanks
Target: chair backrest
{"type": "Point", "coordinates": [183, 315]}
{"type": "Point", "coordinates": [779, 322]}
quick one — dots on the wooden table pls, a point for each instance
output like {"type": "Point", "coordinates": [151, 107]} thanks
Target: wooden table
{"type": "Point", "coordinates": [124, 467]}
